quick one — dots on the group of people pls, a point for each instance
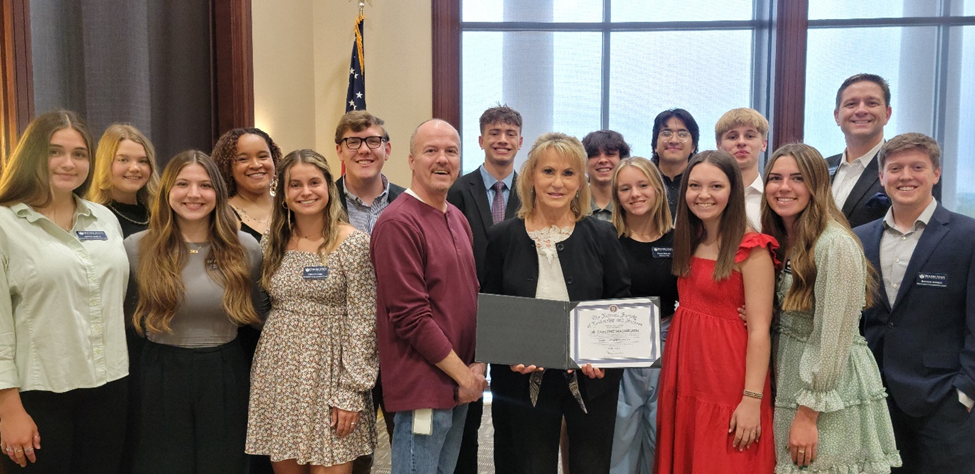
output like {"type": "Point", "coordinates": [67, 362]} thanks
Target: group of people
{"type": "Point", "coordinates": [246, 311]}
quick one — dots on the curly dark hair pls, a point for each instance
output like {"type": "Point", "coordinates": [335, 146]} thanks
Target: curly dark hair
{"type": "Point", "coordinates": [225, 151]}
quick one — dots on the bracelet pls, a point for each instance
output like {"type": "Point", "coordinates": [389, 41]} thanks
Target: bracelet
{"type": "Point", "coordinates": [756, 395]}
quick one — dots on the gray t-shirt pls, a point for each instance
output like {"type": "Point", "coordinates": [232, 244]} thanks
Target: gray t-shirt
{"type": "Point", "coordinates": [200, 321]}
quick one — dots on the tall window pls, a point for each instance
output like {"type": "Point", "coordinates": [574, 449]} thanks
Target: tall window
{"type": "Point", "coordinates": [576, 66]}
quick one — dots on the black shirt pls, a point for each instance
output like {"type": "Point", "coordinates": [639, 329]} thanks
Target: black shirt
{"type": "Point", "coordinates": [650, 270]}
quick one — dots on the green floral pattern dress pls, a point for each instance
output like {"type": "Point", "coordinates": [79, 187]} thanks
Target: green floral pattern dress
{"type": "Point", "coordinates": [822, 362]}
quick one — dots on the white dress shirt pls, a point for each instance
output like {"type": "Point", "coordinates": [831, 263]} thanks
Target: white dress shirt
{"type": "Point", "coordinates": [849, 173]}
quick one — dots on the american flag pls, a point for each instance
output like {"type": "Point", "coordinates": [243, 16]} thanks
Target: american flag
{"type": "Point", "coordinates": [355, 99]}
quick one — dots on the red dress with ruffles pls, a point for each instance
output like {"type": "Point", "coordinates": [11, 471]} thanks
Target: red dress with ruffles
{"type": "Point", "coordinates": [703, 376]}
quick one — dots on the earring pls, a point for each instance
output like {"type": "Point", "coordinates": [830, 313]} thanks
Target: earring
{"type": "Point", "coordinates": [274, 186]}
{"type": "Point", "coordinates": [289, 221]}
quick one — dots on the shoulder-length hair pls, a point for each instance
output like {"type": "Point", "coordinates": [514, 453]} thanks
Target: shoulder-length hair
{"type": "Point", "coordinates": [809, 225]}
{"type": "Point", "coordinates": [101, 184]}
{"type": "Point", "coordinates": [689, 231]}
{"type": "Point", "coordinates": [282, 219]}
{"type": "Point", "coordinates": [660, 213]}
{"type": "Point", "coordinates": [225, 154]}
{"type": "Point", "coordinates": [163, 254]}
{"type": "Point", "coordinates": [566, 147]}
{"type": "Point", "coordinates": [26, 176]}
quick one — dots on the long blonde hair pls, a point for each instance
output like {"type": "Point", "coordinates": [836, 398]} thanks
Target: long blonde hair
{"type": "Point", "coordinates": [282, 219]}
{"type": "Point", "coordinates": [163, 255]}
{"type": "Point", "coordinates": [101, 184]}
{"type": "Point", "coordinates": [26, 176]}
{"type": "Point", "coordinates": [809, 225]}
{"type": "Point", "coordinates": [662, 220]}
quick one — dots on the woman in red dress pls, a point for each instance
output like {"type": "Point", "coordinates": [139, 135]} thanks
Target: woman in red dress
{"type": "Point", "coordinates": [715, 402]}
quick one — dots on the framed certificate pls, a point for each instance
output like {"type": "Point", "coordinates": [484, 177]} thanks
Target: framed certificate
{"type": "Point", "coordinates": [565, 335]}
{"type": "Point", "coordinates": [615, 333]}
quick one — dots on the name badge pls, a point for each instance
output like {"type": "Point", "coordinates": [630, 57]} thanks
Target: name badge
{"type": "Point", "coordinates": [85, 235]}
{"type": "Point", "coordinates": [788, 266]}
{"type": "Point", "coordinates": [315, 273]}
{"type": "Point", "coordinates": [662, 252]}
{"type": "Point", "coordinates": [934, 280]}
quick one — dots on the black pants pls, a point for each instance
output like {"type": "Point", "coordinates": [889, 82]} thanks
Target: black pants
{"type": "Point", "coordinates": [941, 442]}
{"type": "Point", "coordinates": [194, 410]}
{"type": "Point", "coordinates": [82, 430]}
{"type": "Point", "coordinates": [527, 437]}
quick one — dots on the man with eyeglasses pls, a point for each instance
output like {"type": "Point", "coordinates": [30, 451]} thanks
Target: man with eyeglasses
{"type": "Point", "coordinates": [675, 139]}
{"type": "Point", "coordinates": [361, 142]}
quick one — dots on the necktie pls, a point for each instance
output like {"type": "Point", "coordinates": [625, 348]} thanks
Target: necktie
{"type": "Point", "coordinates": [497, 206]}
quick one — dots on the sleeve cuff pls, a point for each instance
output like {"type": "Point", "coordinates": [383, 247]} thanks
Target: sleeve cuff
{"type": "Point", "coordinates": [965, 399]}
{"type": "Point", "coordinates": [821, 401]}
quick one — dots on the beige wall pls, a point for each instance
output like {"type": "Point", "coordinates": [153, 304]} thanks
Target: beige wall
{"type": "Point", "coordinates": [302, 50]}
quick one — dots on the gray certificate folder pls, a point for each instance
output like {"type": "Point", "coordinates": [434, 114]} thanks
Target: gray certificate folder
{"type": "Point", "coordinates": [515, 330]}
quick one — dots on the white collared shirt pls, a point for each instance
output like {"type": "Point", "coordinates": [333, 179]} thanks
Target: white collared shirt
{"type": "Point", "coordinates": [62, 325]}
{"type": "Point", "coordinates": [848, 173]}
{"type": "Point", "coordinates": [753, 203]}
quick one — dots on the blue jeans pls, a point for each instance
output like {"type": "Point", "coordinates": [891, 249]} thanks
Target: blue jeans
{"type": "Point", "coordinates": [427, 454]}
{"type": "Point", "coordinates": [634, 439]}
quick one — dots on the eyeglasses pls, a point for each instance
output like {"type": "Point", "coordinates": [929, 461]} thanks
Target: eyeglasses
{"type": "Point", "coordinates": [355, 142]}
{"type": "Point", "coordinates": [682, 135]}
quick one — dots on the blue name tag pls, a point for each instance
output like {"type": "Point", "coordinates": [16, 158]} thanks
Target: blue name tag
{"type": "Point", "coordinates": [934, 280]}
{"type": "Point", "coordinates": [315, 273]}
{"type": "Point", "coordinates": [84, 235]}
{"type": "Point", "coordinates": [662, 252]}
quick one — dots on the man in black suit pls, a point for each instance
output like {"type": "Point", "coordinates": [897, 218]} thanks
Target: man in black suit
{"type": "Point", "coordinates": [362, 144]}
{"type": "Point", "coordinates": [862, 110]}
{"type": "Point", "coordinates": [487, 196]}
{"type": "Point", "coordinates": [921, 327]}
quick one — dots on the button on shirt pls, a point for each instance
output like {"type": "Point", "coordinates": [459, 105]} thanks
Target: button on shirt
{"type": "Point", "coordinates": [848, 173]}
{"type": "Point", "coordinates": [61, 318]}
{"type": "Point", "coordinates": [361, 216]}
{"type": "Point", "coordinates": [897, 247]}
{"type": "Point", "coordinates": [753, 203]}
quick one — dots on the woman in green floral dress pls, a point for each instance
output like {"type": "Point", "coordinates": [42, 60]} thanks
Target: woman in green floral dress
{"type": "Point", "coordinates": [830, 408]}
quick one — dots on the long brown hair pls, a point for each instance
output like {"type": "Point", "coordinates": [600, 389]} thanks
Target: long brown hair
{"type": "Point", "coordinates": [660, 214]}
{"type": "Point", "coordinates": [26, 176]}
{"type": "Point", "coordinates": [809, 225]}
{"type": "Point", "coordinates": [163, 254]}
{"type": "Point", "coordinates": [282, 219]}
{"type": "Point", "coordinates": [689, 231]}
{"type": "Point", "coordinates": [101, 184]}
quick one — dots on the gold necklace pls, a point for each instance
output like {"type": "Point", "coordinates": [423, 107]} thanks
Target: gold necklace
{"type": "Point", "coordinates": [195, 250]}
{"type": "Point", "coordinates": [244, 213]}
{"type": "Point", "coordinates": [111, 205]}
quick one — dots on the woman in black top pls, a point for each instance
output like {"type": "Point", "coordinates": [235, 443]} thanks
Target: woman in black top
{"type": "Point", "coordinates": [125, 178]}
{"type": "Point", "coordinates": [554, 250]}
{"type": "Point", "coordinates": [643, 222]}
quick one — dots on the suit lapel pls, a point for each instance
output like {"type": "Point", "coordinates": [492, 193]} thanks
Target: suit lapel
{"type": "Point", "coordinates": [479, 194]}
{"type": "Point", "coordinates": [514, 204]}
{"type": "Point", "coordinates": [936, 230]}
{"type": "Point", "coordinates": [871, 249]}
{"type": "Point", "coordinates": [862, 186]}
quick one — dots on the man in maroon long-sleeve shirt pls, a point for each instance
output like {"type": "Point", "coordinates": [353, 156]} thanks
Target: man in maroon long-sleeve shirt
{"type": "Point", "coordinates": [427, 306]}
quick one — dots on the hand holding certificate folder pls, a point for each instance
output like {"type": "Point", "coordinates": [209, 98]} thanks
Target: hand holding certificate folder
{"type": "Point", "coordinates": [567, 335]}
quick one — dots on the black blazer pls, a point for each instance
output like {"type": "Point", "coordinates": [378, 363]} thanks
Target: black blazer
{"type": "Point", "coordinates": [593, 266]}
{"type": "Point", "coordinates": [394, 191]}
{"type": "Point", "coordinates": [868, 201]}
{"type": "Point", "coordinates": [470, 196]}
{"type": "Point", "coordinates": [924, 341]}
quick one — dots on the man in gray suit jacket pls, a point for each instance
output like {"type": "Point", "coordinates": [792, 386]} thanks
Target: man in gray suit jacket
{"type": "Point", "coordinates": [486, 196]}
{"type": "Point", "coordinates": [921, 327]}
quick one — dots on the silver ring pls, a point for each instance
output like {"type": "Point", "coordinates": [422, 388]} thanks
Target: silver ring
{"type": "Point", "coordinates": [19, 451]}
{"type": "Point", "coordinates": [28, 449]}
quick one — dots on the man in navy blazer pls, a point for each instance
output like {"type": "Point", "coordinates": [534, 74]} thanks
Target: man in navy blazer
{"type": "Point", "coordinates": [921, 327]}
{"type": "Point", "coordinates": [477, 196]}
